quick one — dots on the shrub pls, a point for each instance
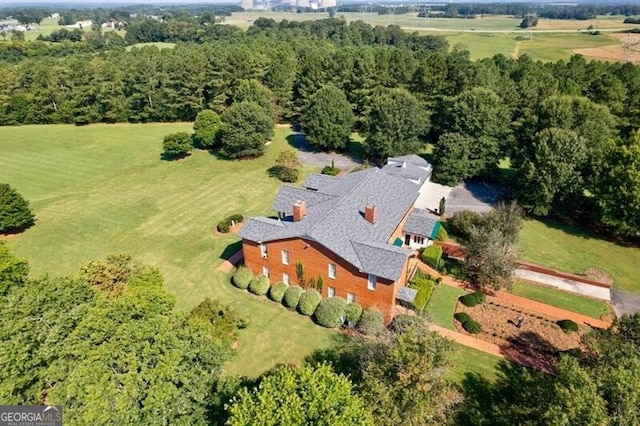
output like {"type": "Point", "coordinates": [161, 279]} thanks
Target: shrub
{"type": "Point", "coordinates": [331, 312]}
{"type": "Point", "coordinates": [177, 145]}
{"type": "Point", "coordinates": [259, 285]}
{"type": "Point", "coordinates": [331, 171]}
{"type": "Point", "coordinates": [277, 291]}
{"type": "Point", "coordinates": [292, 297]}
{"type": "Point", "coordinates": [432, 255]}
{"type": "Point", "coordinates": [236, 218]}
{"type": "Point", "coordinates": [224, 226]}
{"type": "Point", "coordinates": [287, 174]}
{"type": "Point", "coordinates": [442, 234]}
{"type": "Point", "coordinates": [472, 327]}
{"type": "Point", "coordinates": [371, 322]}
{"type": "Point", "coordinates": [567, 325]}
{"type": "Point", "coordinates": [15, 213]}
{"type": "Point", "coordinates": [403, 322]}
{"type": "Point", "coordinates": [309, 301]}
{"type": "Point", "coordinates": [461, 223]}
{"type": "Point", "coordinates": [353, 312]}
{"type": "Point", "coordinates": [462, 317]}
{"type": "Point", "coordinates": [242, 277]}
{"type": "Point", "coordinates": [425, 289]}
{"type": "Point", "coordinates": [472, 299]}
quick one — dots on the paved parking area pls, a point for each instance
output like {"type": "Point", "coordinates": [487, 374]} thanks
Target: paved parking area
{"type": "Point", "coordinates": [308, 155]}
{"type": "Point", "coordinates": [476, 196]}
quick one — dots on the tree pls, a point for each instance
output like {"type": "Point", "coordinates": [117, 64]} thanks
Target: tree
{"type": "Point", "coordinates": [451, 155]}
{"type": "Point", "coordinates": [618, 193]}
{"type": "Point", "coordinates": [286, 168]}
{"type": "Point", "coordinates": [550, 169]}
{"type": "Point", "coordinates": [491, 252]}
{"type": "Point", "coordinates": [327, 119]}
{"type": "Point", "coordinates": [400, 375]}
{"type": "Point", "coordinates": [245, 130]}
{"type": "Point", "coordinates": [13, 270]}
{"type": "Point", "coordinates": [478, 114]}
{"type": "Point", "coordinates": [253, 91]}
{"type": "Point", "coordinates": [110, 276]}
{"type": "Point", "coordinates": [177, 145]}
{"type": "Point", "coordinates": [300, 396]}
{"type": "Point", "coordinates": [206, 129]}
{"type": "Point", "coordinates": [395, 124]}
{"type": "Point", "coordinates": [15, 213]}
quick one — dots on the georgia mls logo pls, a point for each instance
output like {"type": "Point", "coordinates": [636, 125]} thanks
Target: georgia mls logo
{"type": "Point", "coordinates": [30, 415]}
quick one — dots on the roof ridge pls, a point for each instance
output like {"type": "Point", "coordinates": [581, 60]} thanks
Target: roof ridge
{"type": "Point", "coordinates": [344, 196]}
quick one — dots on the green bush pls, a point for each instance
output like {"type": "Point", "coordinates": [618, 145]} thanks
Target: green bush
{"type": "Point", "coordinates": [309, 301]}
{"type": "Point", "coordinates": [461, 223]}
{"type": "Point", "coordinates": [259, 285]}
{"type": "Point", "coordinates": [236, 218]}
{"type": "Point", "coordinates": [371, 322]}
{"type": "Point", "coordinates": [242, 277]}
{"type": "Point", "coordinates": [442, 234]}
{"type": "Point", "coordinates": [224, 226]}
{"type": "Point", "coordinates": [425, 289]}
{"type": "Point", "coordinates": [292, 297]}
{"type": "Point", "coordinates": [277, 291]}
{"type": "Point", "coordinates": [331, 312]}
{"type": "Point", "coordinates": [567, 325]}
{"type": "Point", "coordinates": [353, 312]}
{"type": "Point", "coordinates": [288, 174]}
{"type": "Point", "coordinates": [472, 327]}
{"type": "Point", "coordinates": [403, 322]}
{"type": "Point", "coordinates": [462, 317]}
{"type": "Point", "coordinates": [472, 299]}
{"type": "Point", "coordinates": [431, 255]}
{"type": "Point", "coordinates": [331, 171]}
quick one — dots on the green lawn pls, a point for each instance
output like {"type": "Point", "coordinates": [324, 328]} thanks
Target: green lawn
{"type": "Point", "coordinates": [573, 249]}
{"type": "Point", "coordinates": [483, 45]}
{"type": "Point", "coordinates": [442, 305]}
{"type": "Point", "coordinates": [103, 189]}
{"type": "Point", "coordinates": [553, 47]}
{"type": "Point", "coordinates": [469, 360]}
{"type": "Point", "coordinates": [561, 299]}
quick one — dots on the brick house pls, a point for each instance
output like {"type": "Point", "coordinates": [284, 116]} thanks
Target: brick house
{"type": "Point", "coordinates": [356, 232]}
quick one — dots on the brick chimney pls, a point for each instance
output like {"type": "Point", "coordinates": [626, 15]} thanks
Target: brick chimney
{"type": "Point", "coordinates": [370, 213]}
{"type": "Point", "coordinates": [299, 210]}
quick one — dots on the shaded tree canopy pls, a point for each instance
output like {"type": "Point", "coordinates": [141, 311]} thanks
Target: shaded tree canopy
{"type": "Point", "coordinates": [327, 119]}
{"type": "Point", "coordinates": [246, 129]}
{"type": "Point", "coordinates": [206, 129]}
{"type": "Point", "coordinates": [15, 213]}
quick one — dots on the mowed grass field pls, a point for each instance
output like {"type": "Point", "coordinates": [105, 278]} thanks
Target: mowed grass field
{"type": "Point", "coordinates": [102, 189]}
{"type": "Point", "coordinates": [573, 249]}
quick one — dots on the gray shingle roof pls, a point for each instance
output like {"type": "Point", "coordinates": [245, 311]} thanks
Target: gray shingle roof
{"type": "Point", "coordinates": [415, 167]}
{"type": "Point", "coordinates": [406, 294]}
{"type": "Point", "coordinates": [336, 220]}
{"type": "Point", "coordinates": [413, 159]}
{"type": "Point", "coordinates": [316, 181]}
{"type": "Point", "coordinates": [420, 222]}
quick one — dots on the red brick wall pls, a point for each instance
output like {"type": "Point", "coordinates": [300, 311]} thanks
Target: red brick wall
{"type": "Point", "coordinates": [316, 260]}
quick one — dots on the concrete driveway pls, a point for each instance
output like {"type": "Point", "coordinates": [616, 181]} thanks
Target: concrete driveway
{"type": "Point", "coordinates": [475, 196]}
{"type": "Point", "coordinates": [308, 155]}
{"type": "Point", "coordinates": [624, 302]}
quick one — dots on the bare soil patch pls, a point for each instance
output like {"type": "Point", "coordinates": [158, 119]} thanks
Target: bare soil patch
{"type": "Point", "coordinates": [539, 337]}
{"type": "Point", "coordinates": [573, 24]}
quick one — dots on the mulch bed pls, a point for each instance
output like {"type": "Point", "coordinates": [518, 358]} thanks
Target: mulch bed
{"type": "Point", "coordinates": [538, 337]}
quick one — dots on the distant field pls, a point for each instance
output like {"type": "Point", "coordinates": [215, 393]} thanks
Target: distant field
{"type": "Point", "coordinates": [553, 47]}
{"type": "Point", "coordinates": [602, 22]}
{"type": "Point", "coordinates": [158, 44]}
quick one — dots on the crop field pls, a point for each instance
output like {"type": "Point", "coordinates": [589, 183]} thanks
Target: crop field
{"type": "Point", "coordinates": [102, 189]}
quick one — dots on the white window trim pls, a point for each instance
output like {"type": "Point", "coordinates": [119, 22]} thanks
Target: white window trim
{"type": "Point", "coordinates": [285, 257]}
{"type": "Point", "coordinates": [333, 274]}
{"type": "Point", "coordinates": [286, 280]}
{"type": "Point", "coordinates": [266, 269]}
{"type": "Point", "coordinates": [331, 292]}
{"type": "Point", "coordinates": [263, 251]}
{"type": "Point", "coordinates": [371, 284]}
{"type": "Point", "coordinates": [351, 298]}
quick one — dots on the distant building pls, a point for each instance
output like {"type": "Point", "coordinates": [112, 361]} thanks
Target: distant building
{"type": "Point", "coordinates": [81, 24]}
{"type": "Point", "coordinates": [246, 4]}
{"type": "Point", "coordinates": [327, 3]}
{"type": "Point", "coordinates": [55, 15]}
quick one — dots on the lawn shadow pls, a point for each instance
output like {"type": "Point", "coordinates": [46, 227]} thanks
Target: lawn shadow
{"type": "Point", "coordinates": [342, 354]}
{"type": "Point", "coordinates": [531, 349]}
{"type": "Point", "coordinates": [230, 250]}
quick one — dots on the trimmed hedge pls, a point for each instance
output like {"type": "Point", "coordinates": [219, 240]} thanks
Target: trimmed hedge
{"type": "Point", "coordinates": [259, 285]}
{"type": "Point", "coordinates": [277, 291]}
{"type": "Point", "coordinates": [371, 322]}
{"type": "Point", "coordinates": [432, 255]}
{"type": "Point", "coordinates": [425, 288]}
{"type": "Point", "coordinates": [472, 299]}
{"type": "Point", "coordinates": [353, 312]}
{"type": "Point", "coordinates": [472, 327]}
{"type": "Point", "coordinates": [242, 277]}
{"type": "Point", "coordinates": [442, 234]}
{"type": "Point", "coordinates": [288, 174]}
{"type": "Point", "coordinates": [292, 297]}
{"type": "Point", "coordinates": [403, 322]}
{"type": "Point", "coordinates": [309, 301]}
{"type": "Point", "coordinates": [225, 224]}
{"type": "Point", "coordinates": [462, 317]}
{"type": "Point", "coordinates": [567, 325]}
{"type": "Point", "coordinates": [331, 312]}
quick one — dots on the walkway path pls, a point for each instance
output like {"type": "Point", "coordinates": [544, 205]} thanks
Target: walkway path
{"type": "Point", "coordinates": [565, 284]}
{"type": "Point", "coordinates": [542, 308]}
